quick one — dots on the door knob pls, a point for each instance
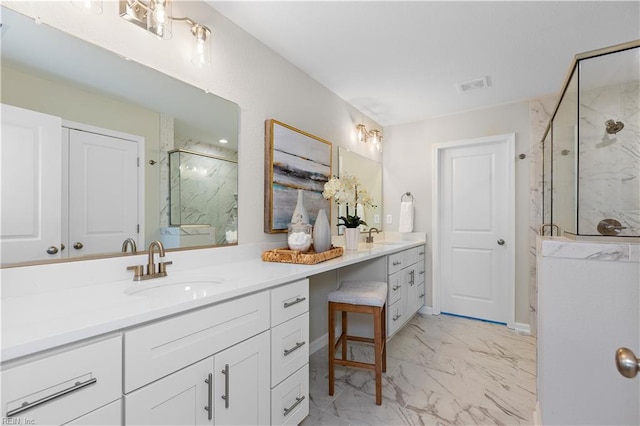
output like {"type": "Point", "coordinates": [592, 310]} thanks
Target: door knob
{"type": "Point", "coordinates": [78, 246]}
{"type": "Point", "coordinates": [52, 250]}
{"type": "Point", "coordinates": [627, 363]}
{"type": "Point", "coordinates": [500, 242]}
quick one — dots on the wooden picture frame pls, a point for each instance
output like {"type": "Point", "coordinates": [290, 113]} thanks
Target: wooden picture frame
{"type": "Point", "coordinates": [293, 160]}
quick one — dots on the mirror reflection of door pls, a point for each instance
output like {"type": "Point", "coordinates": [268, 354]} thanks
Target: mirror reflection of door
{"type": "Point", "coordinates": [103, 192]}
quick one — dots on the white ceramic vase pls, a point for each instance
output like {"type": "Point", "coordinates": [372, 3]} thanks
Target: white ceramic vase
{"type": "Point", "coordinates": [321, 232]}
{"type": "Point", "coordinates": [351, 238]}
{"type": "Point", "coordinates": [300, 214]}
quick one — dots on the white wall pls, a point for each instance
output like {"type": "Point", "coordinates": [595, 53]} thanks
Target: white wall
{"type": "Point", "coordinates": [413, 172]}
{"type": "Point", "coordinates": [243, 70]}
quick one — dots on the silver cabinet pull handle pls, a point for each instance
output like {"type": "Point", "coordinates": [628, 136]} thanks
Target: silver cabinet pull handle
{"type": "Point", "coordinates": [500, 242]}
{"type": "Point", "coordinates": [421, 296]}
{"type": "Point", "coordinates": [293, 349]}
{"type": "Point", "coordinates": [421, 272]}
{"type": "Point", "coordinates": [421, 253]}
{"type": "Point", "coordinates": [29, 405]}
{"type": "Point", "coordinates": [52, 250]}
{"type": "Point", "coordinates": [395, 317]}
{"type": "Point", "coordinates": [394, 288]}
{"type": "Point", "coordinates": [396, 263]}
{"type": "Point", "coordinates": [78, 245]}
{"type": "Point", "coordinates": [209, 406]}
{"type": "Point", "coordinates": [295, 404]}
{"type": "Point", "coordinates": [226, 385]}
{"type": "Point", "coordinates": [298, 300]}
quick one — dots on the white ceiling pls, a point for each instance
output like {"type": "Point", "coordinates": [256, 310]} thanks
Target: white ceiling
{"type": "Point", "coordinates": [399, 61]}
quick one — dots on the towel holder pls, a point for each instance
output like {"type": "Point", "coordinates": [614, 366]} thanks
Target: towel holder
{"type": "Point", "coordinates": [406, 194]}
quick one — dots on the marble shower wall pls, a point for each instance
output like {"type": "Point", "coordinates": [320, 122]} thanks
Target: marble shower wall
{"type": "Point", "coordinates": [609, 173]}
{"type": "Point", "coordinates": [540, 111]}
{"type": "Point", "coordinates": [204, 189]}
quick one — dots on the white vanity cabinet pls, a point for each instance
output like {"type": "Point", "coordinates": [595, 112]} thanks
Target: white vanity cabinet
{"type": "Point", "coordinates": [209, 366]}
{"type": "Point", "coordinates": [406, 277]}
{"type": "Point", "coordinates": [290, 353]}
{"type": "Point", "coordinates": [81, 385]}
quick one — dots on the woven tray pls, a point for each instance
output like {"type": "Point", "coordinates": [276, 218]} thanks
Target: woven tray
{"type": "Point", "coordinates": [284, 255]}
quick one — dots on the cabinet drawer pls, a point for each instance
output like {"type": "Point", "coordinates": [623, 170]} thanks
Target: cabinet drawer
{"type": "Point", "coordinates": [395, 317]}
{"type": "Point", "coordinates": [289, 347]}
{"type": "Point", "coordinates": [421, 295]}
{"type": "Point", "coordinates": [420, 274]}
{"type": "Point", "coordinates": [395, 288]}
{"type": "Point", "coordinates": [290, 399]}
{"type": "Point", "coordinates": [396, 262]}
{"type": "Point", "coordinates": [160, 348]}
{"type": "Point", "coordinates": [77, 381]}
{"type": "Point", "coordinates": [289, 301]}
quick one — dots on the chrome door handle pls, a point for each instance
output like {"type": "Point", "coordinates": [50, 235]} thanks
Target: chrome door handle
{"type": "Point", "coordinates": [500, 242]}
{"type": "Point", "coordinates": [209, 406]}
{"type": "Point", "coordinates": [298, 300]}
{"type": "Point", "coordinates": [226, 385]}
{"type": "Point", "coordinates": [627, 363]}
{"type": "Point", "coordinates": [29, 405]}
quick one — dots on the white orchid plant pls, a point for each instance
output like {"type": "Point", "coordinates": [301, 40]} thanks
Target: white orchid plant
{"type": "Point", "coordinates": [348, 190]}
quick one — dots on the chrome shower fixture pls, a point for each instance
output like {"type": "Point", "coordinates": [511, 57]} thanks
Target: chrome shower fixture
{"type": "Point", "coordinates": [613, 127]}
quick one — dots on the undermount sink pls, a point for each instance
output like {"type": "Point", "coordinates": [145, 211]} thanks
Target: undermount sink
{"type": "Point", "coordinates": [188, 289]}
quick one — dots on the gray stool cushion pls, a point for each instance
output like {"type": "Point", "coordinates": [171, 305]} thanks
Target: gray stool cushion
{"type": "Point", "coordinates": [366, 293]}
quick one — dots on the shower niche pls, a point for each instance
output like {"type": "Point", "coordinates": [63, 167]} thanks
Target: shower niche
{"type": "Point", "coordinates": [203, 200]}
{"type": "Point", "coordinates": [591, 148]}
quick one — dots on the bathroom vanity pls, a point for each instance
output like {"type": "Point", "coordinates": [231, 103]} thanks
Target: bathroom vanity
{"type": "Point", "coordinates": [223, 339]}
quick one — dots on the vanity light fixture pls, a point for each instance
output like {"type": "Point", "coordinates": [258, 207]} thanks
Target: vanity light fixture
{"type": "Point", "coordinates": [364, 135]}
{"type": "Point", "coordinates": [156, 17]}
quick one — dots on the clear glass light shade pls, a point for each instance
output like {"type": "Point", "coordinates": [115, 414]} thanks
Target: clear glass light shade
{"type": "Point", "coordinates": [201, 45]}
{"type": "Point", "coordinates": [159, 18]}
{"type": "Point", "coordinates": [90, 7]}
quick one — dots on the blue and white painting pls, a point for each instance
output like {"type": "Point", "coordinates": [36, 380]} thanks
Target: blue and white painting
{"type": "Point", "coordinates": [298, 161]}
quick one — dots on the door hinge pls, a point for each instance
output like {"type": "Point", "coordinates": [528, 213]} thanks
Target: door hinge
{"type": "Point", "coordinates": [138, 228]}
{"type": "Point", "coordinates": [138, 161]}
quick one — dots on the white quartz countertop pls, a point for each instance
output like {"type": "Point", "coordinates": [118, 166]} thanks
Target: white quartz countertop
{"type": "Point", "coordinates": [40, 319]}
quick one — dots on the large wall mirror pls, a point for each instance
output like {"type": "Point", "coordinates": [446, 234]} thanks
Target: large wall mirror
{"type": "Point", "coordinates": [369, 172]}
{"type": "Point", "coordinates": [110, 111]}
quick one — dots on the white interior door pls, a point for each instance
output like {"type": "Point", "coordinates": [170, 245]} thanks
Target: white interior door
{"type": "Point", "coordinates": [103, 192]}
{"type": "Point", "coordinates": [30, 152]}
{"type": "Point", "coordinates": [476, 203]}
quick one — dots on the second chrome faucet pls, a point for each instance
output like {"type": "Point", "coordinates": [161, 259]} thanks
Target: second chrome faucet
{"type": "Point", "coordinates": [161, 271]}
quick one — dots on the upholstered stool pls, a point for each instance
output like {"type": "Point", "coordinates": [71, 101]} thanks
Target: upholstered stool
{"type": "Point", "coordinates": [368, 297]}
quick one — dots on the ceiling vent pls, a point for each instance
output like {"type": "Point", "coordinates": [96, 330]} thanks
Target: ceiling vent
{"type": "Point", "coordinates": [478, 83]}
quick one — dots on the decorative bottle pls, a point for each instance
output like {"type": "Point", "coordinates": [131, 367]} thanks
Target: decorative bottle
{"type": "Point", "coordinates": [300, 212]}
{"type": "Point", "coordinates": [321, 233]}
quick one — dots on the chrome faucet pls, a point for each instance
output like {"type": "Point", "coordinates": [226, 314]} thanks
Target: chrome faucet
{"type": "Point", "coordinates": [138, 270]}
{"type": "Point", "coordinates": [369, 239]}
{"type": "Point", "coordinates": [129, 242]}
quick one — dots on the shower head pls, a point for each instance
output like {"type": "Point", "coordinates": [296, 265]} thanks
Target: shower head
{"type": "Point", "coordinates": [613, 127]}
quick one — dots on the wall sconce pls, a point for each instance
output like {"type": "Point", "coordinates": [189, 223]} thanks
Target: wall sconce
{"type": "Point", "coordinates": [155, 16]}
{"type": "Point", "coordinates": [364, 135]}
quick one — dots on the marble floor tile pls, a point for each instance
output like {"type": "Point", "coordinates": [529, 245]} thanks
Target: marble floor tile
{"type": "Point", "coordinates": [440, 370]}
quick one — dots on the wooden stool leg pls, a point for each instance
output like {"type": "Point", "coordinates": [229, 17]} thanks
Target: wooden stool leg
{"type": "Point", "coordinates": [331, 346]}
{"type": "Point", "coordinates": [344, 335]}
{"type": "Point", "coordinates": [383, 320]}
{"type": "Point", "coordinates": [377, 327]}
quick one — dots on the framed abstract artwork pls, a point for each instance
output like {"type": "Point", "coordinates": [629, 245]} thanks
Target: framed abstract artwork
{"type": "Point", "coordinates": [294, 160]}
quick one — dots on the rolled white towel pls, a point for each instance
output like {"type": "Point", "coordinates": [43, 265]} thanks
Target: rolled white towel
{"type": "Point", "coordinates": [405, 223]}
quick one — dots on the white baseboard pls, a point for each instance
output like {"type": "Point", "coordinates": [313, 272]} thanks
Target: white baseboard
{"type": "Point", "coordinates": [426, 310]}
{"type": "Point", "coordinates": [318, 343]}
{"type": "Point", "coordinates": [521, 327]}
{"type": "Point", "coordinates": [537, 421]}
